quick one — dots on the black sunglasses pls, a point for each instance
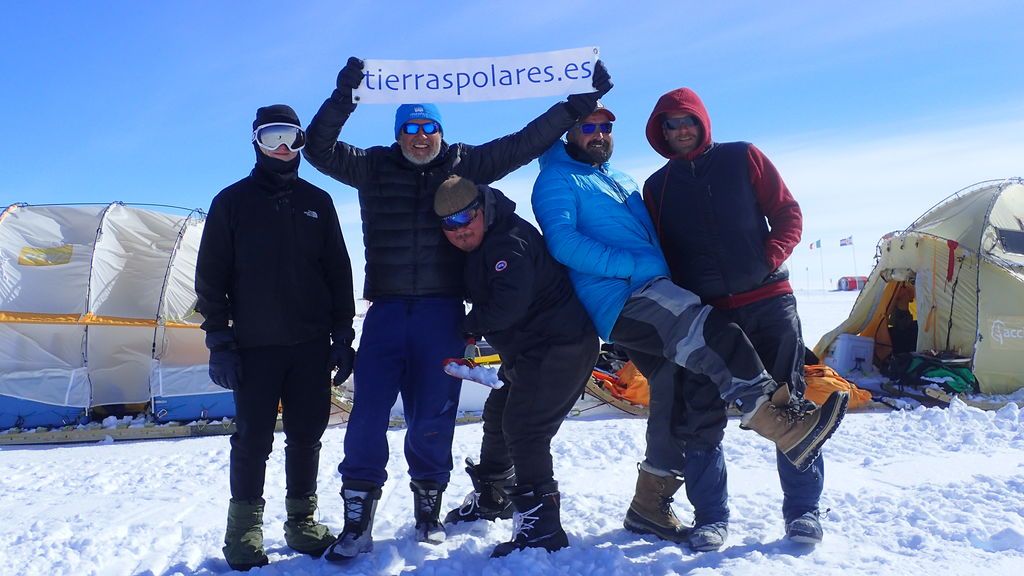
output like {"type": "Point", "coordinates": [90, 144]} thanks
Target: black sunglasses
{"type": "Point", "coordinates": [678, 123]}
{"type": "Point", "coordinates": [590, 127]}
{"type": "Point", "coordinates": [413, 128]}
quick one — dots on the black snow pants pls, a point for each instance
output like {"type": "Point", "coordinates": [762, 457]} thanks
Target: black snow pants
{"type": "Point", "coordinates": [520, 419]}
{"type": "Point", "coordinates": [298, 377]}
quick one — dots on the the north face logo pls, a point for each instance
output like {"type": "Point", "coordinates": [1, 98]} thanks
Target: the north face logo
{"type": "Point", "coordinates": [311, 214]}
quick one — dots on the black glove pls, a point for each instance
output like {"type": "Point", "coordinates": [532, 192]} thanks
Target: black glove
{"type": "Point", "coordinates": [350, 77]}
{"type": "Point", "coordinates": [583, 104]}
{"type": "Point", "coordinates": [343, 357]}
{"type": "Point", "coordinates": [225, 363]}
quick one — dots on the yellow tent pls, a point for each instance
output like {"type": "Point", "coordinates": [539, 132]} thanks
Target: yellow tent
{"type": "Point", "coordinates": [956, 277]}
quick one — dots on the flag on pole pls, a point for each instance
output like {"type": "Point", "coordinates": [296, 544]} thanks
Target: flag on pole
{"type": "Point", "coordinates": [815, 244]}
{"type": "Point", "coordinates": [848, 241]}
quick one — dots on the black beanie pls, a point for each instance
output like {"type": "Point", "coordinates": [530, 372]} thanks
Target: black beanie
{"type": "Point", "coordinates": [277, 113]}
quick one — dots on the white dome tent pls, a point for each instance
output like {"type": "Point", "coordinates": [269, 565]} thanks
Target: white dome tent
{"type": "Point", "coordinates": [97, 309]}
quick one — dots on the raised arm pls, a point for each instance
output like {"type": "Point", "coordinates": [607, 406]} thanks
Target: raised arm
{"type": "Point", "coordinates": [341, 161]}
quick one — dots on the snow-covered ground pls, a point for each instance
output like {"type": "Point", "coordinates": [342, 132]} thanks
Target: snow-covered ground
{"type": "Point", "coordinates": [928, 491]}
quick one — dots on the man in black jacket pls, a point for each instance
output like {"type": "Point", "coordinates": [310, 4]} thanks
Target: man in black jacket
{"type": "Point", "coordinates": [275, 289]}
{"type": "Point", "coordinates": [414, 280]}
{"type": "Point", "coordinates": [525, 306]}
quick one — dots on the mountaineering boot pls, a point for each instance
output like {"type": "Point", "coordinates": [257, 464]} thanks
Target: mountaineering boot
{"type": "Point", "coordinates": [797, 432]}
{"type": "Point", "coordinates": [708, 537]}
{"type": "Point", "coordinates": [536, 522]}
{"type": "Point", "coordinates": [651, 512]}
{"type": "Point", "coordinates": [805, 529]}
{"type": "Point", "coordinates": [489, 499]}
{"type": "Point", "coordinates": [243, 539]}
{"type": "Point", "coordinates": [426, 501]}
{"type": "Point", "coordinates": [356, 538]}
{"type": "Point", "coordinates": [302, 532]}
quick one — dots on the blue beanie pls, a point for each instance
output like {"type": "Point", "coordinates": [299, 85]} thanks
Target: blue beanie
{"type": "Point", "coordinates": [408, 112]}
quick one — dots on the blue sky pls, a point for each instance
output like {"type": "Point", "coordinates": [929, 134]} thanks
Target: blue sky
{"type": "Point", "coordinates": [873, 111]}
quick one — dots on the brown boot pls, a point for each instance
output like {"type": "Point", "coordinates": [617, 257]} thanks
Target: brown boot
{"type": "Point", "coordinates": [650, 512]}
{"type": "Point", "coordinates": [798, 434]}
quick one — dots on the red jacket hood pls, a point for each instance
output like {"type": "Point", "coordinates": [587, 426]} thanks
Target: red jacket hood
{"type": "Point", "coordinates": [678, 101]}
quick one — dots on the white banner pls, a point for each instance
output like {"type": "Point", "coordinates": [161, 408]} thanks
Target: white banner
{"type": "Point", "coordinates": [473, 79]}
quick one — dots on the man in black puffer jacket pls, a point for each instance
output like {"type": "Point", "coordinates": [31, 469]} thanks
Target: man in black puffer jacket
{"type": "Point", "coordinates": [525, 306]}
{"type": "Point", "coordinates": [414, 280]}
{"type": "Point", "coordinates": [274, 283]}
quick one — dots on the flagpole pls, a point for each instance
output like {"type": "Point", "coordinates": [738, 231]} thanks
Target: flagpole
{"type": "Point", "coordinates": [854, 258]}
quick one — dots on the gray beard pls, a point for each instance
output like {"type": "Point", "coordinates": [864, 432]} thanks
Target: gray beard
{"type": "Point", "coordinates": [420, 162]}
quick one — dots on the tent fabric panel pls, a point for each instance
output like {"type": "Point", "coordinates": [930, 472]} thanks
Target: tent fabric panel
{"type": "Point", "coordinates": [32, 347]}
{"type": "Point", "coordinates": [1007, 214]}
{"type": "Point", "coordinates": [186, 393]}
{"type": "Point", "coordinates": [130, 263]}
{"type": "Point", "coordinates": [118, 362]}
{"type": "Point", "coordinates": [58, 288]}
{"type": "Point", "coordinates": [961, 218]}
{"type": "Point", "coordinates": [194, 407]}
{"type": "Point", "coordinates": [181, 346]}
{"type": "Point", "coordinates": [21, 413]}
{"type": "Point", "coordinates": [997, 362]}
{"type": "Point", "coordinates": [56, 386]}
{"type": "Point", "coordinates": [180, 294]}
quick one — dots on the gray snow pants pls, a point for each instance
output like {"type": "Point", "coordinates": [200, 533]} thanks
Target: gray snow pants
{"type": "Point", "coordinates": [662, 326]}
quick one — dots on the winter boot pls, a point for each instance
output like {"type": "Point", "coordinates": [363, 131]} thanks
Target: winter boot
{"type": "Point", "coordinates": [651, 512]}
{"type": "Point", "coordinates": [360, 506]}
{"type": "Point", "coordinates": [708, 537]}
{"type": "Point", "coordinates": [301, 531]}
{"type": "Point", "coordinates": [488, 500]}
{"type": "Point", "coordinates": [426, 498]}
{"type": "Point", "coordinates": [805, 529]}
{"type": "Point", "coordinates": [797, 433]}
{"type": "Point", "coordinates": [243, 540]}
{"type": "Point", "coordinates": [536, 522]}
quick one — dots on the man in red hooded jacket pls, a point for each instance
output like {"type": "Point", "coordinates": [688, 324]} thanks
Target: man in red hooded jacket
{"type": "Point", "coordinates": [727, 223]}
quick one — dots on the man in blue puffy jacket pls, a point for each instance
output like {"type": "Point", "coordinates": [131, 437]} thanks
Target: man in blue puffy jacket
{"type": "Point", "coordinates": [595, 222]}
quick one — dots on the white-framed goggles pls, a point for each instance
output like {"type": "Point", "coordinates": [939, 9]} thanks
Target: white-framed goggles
{"type": "Point", "coordinates": [272, 136]}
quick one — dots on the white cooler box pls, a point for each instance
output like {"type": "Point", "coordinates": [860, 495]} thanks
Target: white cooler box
{"type": "Point", "coordinates": [852, 353]}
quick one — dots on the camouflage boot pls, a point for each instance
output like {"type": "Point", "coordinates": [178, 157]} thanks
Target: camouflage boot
{"type": "Point", "coordinates": [301, 531]}
{"type": "Point", "coordinates": [243, 540]}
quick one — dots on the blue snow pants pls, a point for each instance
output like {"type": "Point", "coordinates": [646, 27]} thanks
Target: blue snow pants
{"type": "Point", "coordinates": [403, 344]}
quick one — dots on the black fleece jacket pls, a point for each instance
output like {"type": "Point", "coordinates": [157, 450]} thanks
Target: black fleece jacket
{"type": "Point", "coordinates": [273, 262]}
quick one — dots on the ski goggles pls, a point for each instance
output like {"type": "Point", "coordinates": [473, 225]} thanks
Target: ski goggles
{"type": "Point", "coordinates": [272, 136]}
{"type": "Point", "coordinates": [590, 127]}
{"type": "Point", "coordinates": [462, 218]}
{"type": "Point", "coordinates": [679, 123]}
{"type": "Point", "coordinates": [413, 128]}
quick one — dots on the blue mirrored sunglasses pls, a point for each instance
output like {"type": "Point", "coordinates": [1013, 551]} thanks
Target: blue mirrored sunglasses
{"type": "Point", "coordinates": [428, 128]}
{"type": "Point", "coordinates": [462, 218]}
{"type": "Point", "coordinates": [678, 123]}
{"type": "Point", "coordinates": [589, 127]}
{"type": "Point", "coordinates": [272, 136]}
